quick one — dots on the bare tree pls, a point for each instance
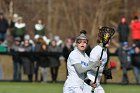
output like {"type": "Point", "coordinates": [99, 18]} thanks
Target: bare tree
{"type": "Point", "coordinates": [67, 17]}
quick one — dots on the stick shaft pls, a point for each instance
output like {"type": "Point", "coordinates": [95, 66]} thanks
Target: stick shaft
{"type": "Point", "coordinates": [98, 67]}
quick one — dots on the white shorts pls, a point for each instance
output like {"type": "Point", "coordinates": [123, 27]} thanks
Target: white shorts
{"type": "Point", "coordinates": [89, 89]}
{"type": "Point", "coordinates": [99, 89]}
{"type": "Point", "coordinates": [72, 90]}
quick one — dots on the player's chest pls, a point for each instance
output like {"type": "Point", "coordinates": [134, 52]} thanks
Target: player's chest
{"type": "Point", "coordinates": [84, 61]}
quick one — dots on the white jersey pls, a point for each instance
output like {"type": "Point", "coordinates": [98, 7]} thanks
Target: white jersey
{"type": "Point", "coordinates": [95, 55]}
{"type": "Point", "coordinates": [74, 79]}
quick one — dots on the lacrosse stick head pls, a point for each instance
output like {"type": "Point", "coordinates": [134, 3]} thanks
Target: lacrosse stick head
{"type": "Point", "coordinates": [105, 34]}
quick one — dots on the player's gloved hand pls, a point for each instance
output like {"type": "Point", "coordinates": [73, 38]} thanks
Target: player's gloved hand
{"type": "Point", "coordinates": [93, 85]}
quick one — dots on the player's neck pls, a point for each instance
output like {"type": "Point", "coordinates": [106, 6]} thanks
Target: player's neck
{"type": "Point", "coordinates": [101, 44]}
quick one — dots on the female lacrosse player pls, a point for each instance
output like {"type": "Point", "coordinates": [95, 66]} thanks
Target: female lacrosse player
{"type": "Point", "coordinates": [99, 52]}
{"type": "Point", "coordinates": [78, 65]}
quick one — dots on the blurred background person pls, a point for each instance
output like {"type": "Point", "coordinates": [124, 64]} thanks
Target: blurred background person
{"type": "Point", "coordinates": [54, 60]}
{"type": "Point", "coordinates": [123, 31]}
{"type": "Point", "coordinates": [44, 62]}
{"type": "Point", "coordinates": [136, 63]}
{"type": "Point", "coordinates": [40, 30]}
{"type": "Point", "coordinates": [17, 62]}
{"type": "Point", "coordinates": [37, 48]}
{"type": "Point", "coordinates": [135, 29]}
{"type": "Point", "coordinates": [59, 42]}
{"type": "Point", "coordinates": [41, 60]}
{"type": "Point", "coordinates": [125, 60]}
{"type": "Point", "coordinates": [13, 20]}
{"type": "Point", "coordinates": [3, 27]}
{"type": "Point", "coordinates": [68, 47]}
{"type": "Point", "coordinates": [19, 28]}
{"type": "Point", "coordinates": [27, 61]}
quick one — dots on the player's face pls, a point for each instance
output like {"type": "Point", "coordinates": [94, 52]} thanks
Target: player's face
{"type": "Point", "coordinates": [82, 44]}
{"type": "Point", "coordinates": [108, 44]}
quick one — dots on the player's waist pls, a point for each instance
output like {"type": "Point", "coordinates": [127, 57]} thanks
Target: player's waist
{"type": "Point", "coordinates": [75, 80]}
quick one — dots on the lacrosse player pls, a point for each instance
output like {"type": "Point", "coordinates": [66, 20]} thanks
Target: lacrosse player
{"type": "Point", "coordinates": [99, 52]}
{"type": "Point", "coordinates": [78, 65]}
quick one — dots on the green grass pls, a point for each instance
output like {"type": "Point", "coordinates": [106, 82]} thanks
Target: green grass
{"type": "Point", "coordinates": [121, 88]}
{"type": "Point", "coordinates": [11, 87]}
{"type": "Point", "coordinates": [21, 87]}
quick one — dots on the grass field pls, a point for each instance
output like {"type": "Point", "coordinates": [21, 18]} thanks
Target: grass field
{"type": "Point", "coordinates": [21, 87]}
{"type": "Point", "coordinates": [24, 87]}
{"type": "Point", "coordinates": [12, 87]}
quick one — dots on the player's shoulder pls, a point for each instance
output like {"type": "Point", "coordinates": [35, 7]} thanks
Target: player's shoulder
{"type": "Point", "coordinates": [97, 48]}
{"type": "Point", "coordinates": [74, 53]}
